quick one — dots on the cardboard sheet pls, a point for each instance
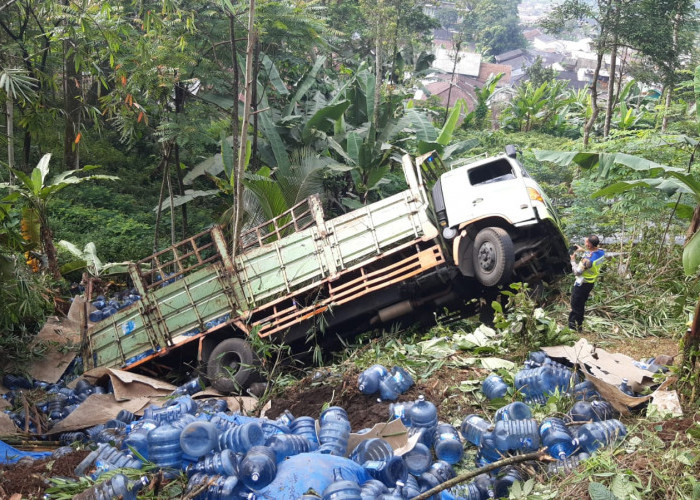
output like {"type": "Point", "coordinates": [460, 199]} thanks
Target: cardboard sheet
{"type": "Point", "coordinates": [606, 371]}
{"type": "Point", "coordinates": [7, 426]}
{"type": "Point", "coordinates": [97, 409]}
{"type": "Point", "coordinates": [394, 432]}
{"type": "Point", "coordinates": [128, 385]}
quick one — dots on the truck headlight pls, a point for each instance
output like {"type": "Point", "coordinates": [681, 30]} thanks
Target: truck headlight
{"type": "Point", "coordinates": [535, 195]}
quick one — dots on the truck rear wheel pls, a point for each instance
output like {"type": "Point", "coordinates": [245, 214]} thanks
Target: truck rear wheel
{"type": "Point", "coordinates": [493, 256]}
{"type": "Point", "coordinates": [230, 365]}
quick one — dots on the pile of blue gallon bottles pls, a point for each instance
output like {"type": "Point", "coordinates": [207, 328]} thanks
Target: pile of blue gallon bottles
{"type": "Point", "coordinates": [226, 455]}
{"type": "Point", "coordinates": [106, 307]}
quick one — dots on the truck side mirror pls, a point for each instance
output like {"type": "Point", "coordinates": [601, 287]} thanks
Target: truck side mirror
{"type": "Point", "coordinates": [511, 151]}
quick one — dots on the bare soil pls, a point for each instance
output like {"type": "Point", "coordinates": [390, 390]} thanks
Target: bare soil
{"type": "Point", "coordinates": [30, 478]}
{"type": "Point", "coordinates": [364, 411]}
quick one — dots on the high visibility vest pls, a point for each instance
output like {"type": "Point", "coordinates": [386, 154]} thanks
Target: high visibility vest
{"type": "Point", "coordinates": [597, 258]}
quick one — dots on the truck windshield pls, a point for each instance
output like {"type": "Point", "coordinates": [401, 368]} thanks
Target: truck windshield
{"type": "Point", "coordinates": [491, 172]}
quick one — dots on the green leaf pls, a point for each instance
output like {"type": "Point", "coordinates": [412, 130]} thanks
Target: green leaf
{"type": "Point", "coordinates": [273, 137]}
{"type": "Point", "coordinates": [599, 491]}
{"type": "Point", "coordinates": [354, 143]}
{"type": "Point", "coordinates": [691, 255]}
{"type": "Point", "coordinates": [425, 131]}
{"type": "Point", "coordinates": [324, 118]}
{"type": "Point", "coordinates": [306, 85]}
{"type": "Point", "coordinates": [274, 76]}
{"type": "Point", "coordinates": [376, 175]}
{"type": "Point", "coordinates": [213, 165]}
{"type": "Point", "coordinates": [620, 486]}
{"type": "Point", "coordinates": [683, 211]}
{"type": "Point", "coordinates": [497, 363]}
{"type": "Point", "coordinates": [448, 128]}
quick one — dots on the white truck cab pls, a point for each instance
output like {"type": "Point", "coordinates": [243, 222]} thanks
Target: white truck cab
{"type": "Point", "coordinates": [498, 220]}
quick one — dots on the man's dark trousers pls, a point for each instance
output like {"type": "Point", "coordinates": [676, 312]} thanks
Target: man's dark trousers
{"type": "Point", "coordinates": [579, 296]}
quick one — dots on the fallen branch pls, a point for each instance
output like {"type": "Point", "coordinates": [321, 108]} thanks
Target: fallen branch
{"type": "Point", "coordinates": [540, 455]}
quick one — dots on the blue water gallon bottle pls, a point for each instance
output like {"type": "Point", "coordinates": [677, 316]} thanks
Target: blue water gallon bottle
{"type": "Point", "coordinates": [506, 477]}
{"type": "Point", "coordinates": [557, 437]}
{"type": "Point", "coordinates": [242, 438]}
{"type": "Point", "coordinates": [603, 409]}
{"type": "Point", "coordinates": [116, 486]}
{"type": "Point", "coordinates": [402, 377]}
{"type": "Point", "coordinates": [566, 465]}
{"type": "Point", "coordinates": [191, 387]}
{"type": "Point", "coordinates": [423, 414]}
{"type": "Point", "coordinates": [389, 389]}
{"type": "Point", "coordinates": [342, 489]}
{"type": "Point", "coordinates": [625, 387]}
{"type": "Point", "coordinates": [585, 390]}
{"type": "Point", "coordinates": [373, 488]}
{"type": "Point", "coordinates": [535, 359]}
{"type": "Point", "coordinates": [516, 410]}
{"type": "Point", "coordinates": [488, 453]}
{"type": "Point", "coordinates": [387, 471]}
{"type": "Point", "coordinates": [258, 468]}
{"type": "Point", "coordinates": [199, 438]}
{"type": "Point", "coordinates": [591, 411]}
{"type": "Point", "coordinates": [306, 428]}
{"type": "Point", "coordinates": [368, 380]}
{"type": "Point", "coordinates": [285, 418]}
{"type": "Point", "coordinates": [473, 429]}
{"type": "Point", "coordinates": [218, 487]}
{"type": "Point", "coordinates": [517, 435]}
{"type": "Point", "coordinates": [494, 387]}
{"type": "Point", "coordinates": [287, 445]}
{"type": "Point", "coordinates": [468, 491]}
{"type": "Point", "coordinates": [590, 437]}
{"type": "Point", "coordinates": [164, 446]}
{"type": "Point", "coordinates": [418, 459]}
{"type": "Point", "coordinates": [333, 414]}
{"type": "Point", "coordinates": [125, 416]}
{"type": "Point", "coordinates": [372, 449]}
{"type": "Point", "coordinates": [438, 473]}
{"type": "Point", "coordinates": [448, 446]}
{"type": "Point", "coordinates": [408, 488]}
{"type": "Point", "coordinates": [400, 410]}
{"type": "Point", "coordinates": [223, 463]}
{"type": "Point", "coordinates": [334, 432]}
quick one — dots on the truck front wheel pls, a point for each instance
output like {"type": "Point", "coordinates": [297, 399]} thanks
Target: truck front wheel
{"type": "Point", "coordinates": [230, 365]}
{"type": "Point", "coordinates": [493, 256]}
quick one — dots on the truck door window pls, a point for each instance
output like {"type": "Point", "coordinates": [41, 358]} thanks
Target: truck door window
{"type": "Point", "coordinates": [491, 172]}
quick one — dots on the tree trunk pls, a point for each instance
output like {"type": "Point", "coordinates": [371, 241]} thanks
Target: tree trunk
{"type": "Point", "coordinates": [588, 126]}
{"type": "Point", "coordinates": [240, 163]}
{"type": "Point", "coordinates": [179, 106]}
{"type": "Point", "coordinates": [71, 107]}
{"type": "Point", "coordinates": [254, 103]}
{"type": "Point", "coordinates": [9, 106]}
{"type": "Point", "coordinates": [610, 105]}
{"type": "Point", "coordinates": [49, 249]}
{"type": "Point", "coordinates": [457, 46]}
{"type": "Point", "coordinates": [236, 80]}
{"type": "Point", "coordinates": [377, 87]}
{"type": "Point", "coordinates": [670, 75]}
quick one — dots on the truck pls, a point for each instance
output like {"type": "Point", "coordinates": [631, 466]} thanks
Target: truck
{"type": "Point", "coordinates": [452, 235]}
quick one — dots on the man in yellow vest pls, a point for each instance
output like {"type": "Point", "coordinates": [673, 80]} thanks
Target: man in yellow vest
{"type": "Point", "coordinates": [587, 272]}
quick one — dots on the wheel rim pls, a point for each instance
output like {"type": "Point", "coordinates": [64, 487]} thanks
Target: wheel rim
{"type": "Point", "coordinates": [232, 361]}
{"type": "Point", "coordinates": [487, 256]}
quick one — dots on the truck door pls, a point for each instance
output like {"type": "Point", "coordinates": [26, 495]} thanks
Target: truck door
{"type": "Point", "coordinates": [456, 193]}
{"type": "Point", "coordinates": [497, 188]}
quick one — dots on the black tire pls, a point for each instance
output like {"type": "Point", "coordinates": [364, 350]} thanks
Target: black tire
{"type": "Point", "coordinates": [230, 365]}
{"type": "Point", "coordinates": [493, 256]}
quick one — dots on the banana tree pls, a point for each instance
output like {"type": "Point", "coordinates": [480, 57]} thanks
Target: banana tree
{"type": "Point", "coordinates": [38, 193]}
